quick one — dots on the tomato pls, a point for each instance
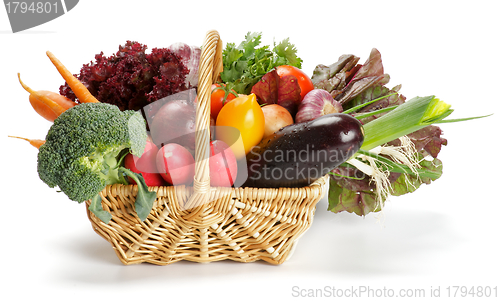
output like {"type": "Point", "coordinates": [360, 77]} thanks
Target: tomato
{"type": "Point", "coordinates": [305, 82]}
{"type": "Point", "coordinates": [245, 115]}
{"type": "Point", "coordinates": [220, 96]}
{"type": "Point", "coordinates": [175, 164]}
{"type": "Point", "coordinates": [145, 165]}
{"type": "Point", "coordinates": [275, 117]}
{"type": "Point", "coordinates": [223, 165]}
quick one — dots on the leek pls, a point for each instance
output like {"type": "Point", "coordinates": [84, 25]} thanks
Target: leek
{"type": "Point", "coordinates": [411, 116]}
{"type": "Point", "coordinates": [358, 107]}
{"type": "Point", "coordinates": [360, 116]}
{"type": "Point", "coordinates": [407, 118]}
{"type": "Point", "coordinates": [404, 119]}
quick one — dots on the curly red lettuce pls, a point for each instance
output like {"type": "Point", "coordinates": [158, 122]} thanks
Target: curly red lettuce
{"type": "Point", "coordinates": [132, 78]}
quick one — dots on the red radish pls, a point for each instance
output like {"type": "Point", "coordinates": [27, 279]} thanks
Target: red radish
{"type": "Point", "coordinates": [223, 165]}
{"type": "Point", "coordinates": [145, 165]}
{"type": "Point", "coordinates": [175, 164]}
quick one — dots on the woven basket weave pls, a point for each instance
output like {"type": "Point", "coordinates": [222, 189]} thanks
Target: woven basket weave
{"type": "Point", "coordinates": [203, 223]}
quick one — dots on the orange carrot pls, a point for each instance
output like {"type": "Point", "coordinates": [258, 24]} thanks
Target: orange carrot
{"type": "Point", "coordinates": [35, 142]}
{"type": "Point", "coordinates": [61, 100]}
{"type": "Point", "coordinates": [42, 109]}
{"type": "Point", "coordinates": [81, 92]}
{"type": "Point", "coordinates": [43, 105]}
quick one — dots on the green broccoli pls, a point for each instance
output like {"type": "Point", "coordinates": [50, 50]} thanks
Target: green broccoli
{"type": "Point", "coordinates": [83, 148]}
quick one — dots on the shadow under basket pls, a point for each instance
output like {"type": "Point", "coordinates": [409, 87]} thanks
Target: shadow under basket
{"type": "Point", "coordinates": [240, 224]}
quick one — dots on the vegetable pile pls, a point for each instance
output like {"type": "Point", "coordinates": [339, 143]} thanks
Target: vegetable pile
{"type": "Point", "coordinates": [130, 119]}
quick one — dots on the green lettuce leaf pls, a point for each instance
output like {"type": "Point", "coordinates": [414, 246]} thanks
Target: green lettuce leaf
{"type": "Point", "coordinates": [333, 77]}
{"type": "Point", "coordinates": [357, 195]}
{"type": "Point", "coordinates": [346, 79]}
{"type": "Point", "coordinates": [427, 140]}
{"type": "Point", "coordinates": [408, 183]}
{"type": "Point", "coordinates": [358, 202]}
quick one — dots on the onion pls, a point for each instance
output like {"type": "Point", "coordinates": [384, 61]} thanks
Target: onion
{"type": "Point", "coordinates": [275, 117]}
{"type": "Point", "coordinates": [175, 123]}
{"type": "Point", "coordinates": [316, 103]}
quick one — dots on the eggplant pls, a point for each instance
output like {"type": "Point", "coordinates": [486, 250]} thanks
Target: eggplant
{"type": "Point", "coordinates": [301, 153]}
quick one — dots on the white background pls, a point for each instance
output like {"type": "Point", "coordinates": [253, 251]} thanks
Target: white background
{"type": "Point", "coordinates": [445, 234]}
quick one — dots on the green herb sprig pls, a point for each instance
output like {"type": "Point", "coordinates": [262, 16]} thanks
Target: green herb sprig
{"type": "Point", "coordinates": [245, 64]}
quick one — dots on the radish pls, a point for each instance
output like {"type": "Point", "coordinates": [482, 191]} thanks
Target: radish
{"type": "Point", "coordinates": [175, 164]}
{"type": "Point", "coordinates": [145, 165]}
{"type": "Point", "coordinates": [223, 165]}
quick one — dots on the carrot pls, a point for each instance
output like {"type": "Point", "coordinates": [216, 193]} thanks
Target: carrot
{"type": "Point", "coordinates": [43, 105]}
{"type": "Point", "coordinates": [42, 109]}
{"type": "Point", "coordinates": [35, 142]}
{"type": "Point", "coordinates": [81, 92]}
{"type": "Point", "coordinates": [61, 100]}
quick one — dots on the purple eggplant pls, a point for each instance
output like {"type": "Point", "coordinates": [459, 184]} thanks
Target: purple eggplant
{"type": "Point", "coordinates": [301, 153]}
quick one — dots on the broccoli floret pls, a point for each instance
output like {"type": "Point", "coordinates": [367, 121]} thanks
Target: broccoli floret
{"type": "Point", "coordinates": [83, 147]}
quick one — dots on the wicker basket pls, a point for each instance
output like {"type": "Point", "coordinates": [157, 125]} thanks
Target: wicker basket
{"type": "Point", "coordinates": [203, 223]}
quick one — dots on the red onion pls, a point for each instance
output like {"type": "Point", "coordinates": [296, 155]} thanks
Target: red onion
{"type": "Point", "coordinates": [174, 123]}
{"type": "Point", "coordinates": [316, 103]}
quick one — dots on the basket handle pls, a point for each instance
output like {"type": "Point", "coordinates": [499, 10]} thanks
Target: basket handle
{"type": "Point", "coordinates": [209, 69]}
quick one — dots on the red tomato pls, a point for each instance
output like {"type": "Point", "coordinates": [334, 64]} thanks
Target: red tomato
{"type": "Point", "coordinates": [220, 96]}
{"type": "Point", "coordinates": [223, 165]}
{"type": "Point", "coordinates": [305, 82]}
{"type": "Point", "coordinates": [175, 164]}
{"type": "Point", "coordinates": [145, 165]}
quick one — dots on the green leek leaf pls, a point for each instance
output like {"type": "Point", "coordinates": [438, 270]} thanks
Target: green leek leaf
{"type": "Point", "coordinates": [461, 119]}
{"type": "Point", "coordinates": [407, 118]}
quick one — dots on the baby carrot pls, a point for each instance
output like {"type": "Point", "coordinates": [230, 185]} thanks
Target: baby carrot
{"type": "Point", "coordinates": [81, 92]}
{"type": "Point", "coordinates": [35, 142]}
{"type": "Point", "coordinates": [43, 105]}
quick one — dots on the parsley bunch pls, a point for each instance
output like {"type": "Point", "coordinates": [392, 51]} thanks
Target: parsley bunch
{"type": "Point", "coordinates": [245, 65]}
